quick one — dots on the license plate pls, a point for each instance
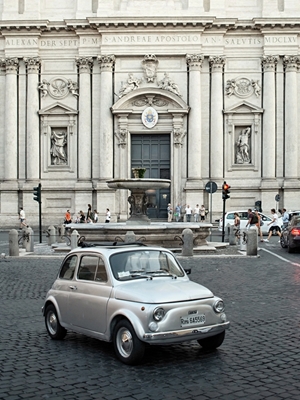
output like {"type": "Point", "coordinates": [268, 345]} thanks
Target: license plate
{"type": "Point", "coordinates": [191, 320]}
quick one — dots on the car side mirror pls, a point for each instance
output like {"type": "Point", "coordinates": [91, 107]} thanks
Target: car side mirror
{"type": "Point", "coordinates": [187, 271]}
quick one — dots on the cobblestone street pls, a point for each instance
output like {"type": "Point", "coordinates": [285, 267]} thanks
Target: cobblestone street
{"type": "Point", "coordinates": [259, 358]}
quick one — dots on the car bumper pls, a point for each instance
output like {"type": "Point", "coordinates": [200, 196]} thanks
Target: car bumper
{"type": "Point", "coordinates": [183, 335]}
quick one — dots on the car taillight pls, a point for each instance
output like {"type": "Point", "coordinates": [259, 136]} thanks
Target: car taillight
{"type": "Point", "coordinates": [295, 231]}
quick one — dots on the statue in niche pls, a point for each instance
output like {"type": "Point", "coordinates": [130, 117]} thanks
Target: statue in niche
{"type": "Point", "coordinates": [58, 147]}
{"type": "Point", "coordinates": [132, 84]}
{"type": "Point", "coordinates": [43, 87]}
{"type": "Point", "coordinates": [73, 88]}
{"type": "Point", "coordinates": [243, 146]}
{"type": "Point", "coordinates": [167, 84]}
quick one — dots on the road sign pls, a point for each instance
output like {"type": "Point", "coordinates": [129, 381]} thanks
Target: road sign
{"type": "Point", "coordinates": [211, 187]}
{"type": "Point", "coordinates": [277, 197]}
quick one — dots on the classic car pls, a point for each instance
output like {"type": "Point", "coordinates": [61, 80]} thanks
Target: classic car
{"type": "Point", "coordinates": [132, 295]}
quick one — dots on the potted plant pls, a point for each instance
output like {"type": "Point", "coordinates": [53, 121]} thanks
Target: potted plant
{"type": "Point", "coordinates": [138, 172]}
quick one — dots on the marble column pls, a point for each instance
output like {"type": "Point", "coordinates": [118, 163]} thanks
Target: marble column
{"type": "Point", "coordinates": [194, 62]}
{"type": "Point", "coordinates": [106, 118]}
{"type": "Point", "coordinates": [33, 142]}
{"type": "Point", "coordinates": [269, 137]}
{"type": "Point", "coordinates": [291, 64]}
{"type": "Point", "coordinates": [216, 134]}
{"type": "Point", "coordinates": [84, 120]}
{"type": "Point", "coordinates": [11, 120]}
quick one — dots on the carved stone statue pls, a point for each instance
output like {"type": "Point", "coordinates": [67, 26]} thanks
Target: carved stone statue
{"type": "Point", "coordinates": [167, 84]}
{"type": "Point", "coordinates": [58, 147]}
{"type": "Point", "coordinates": [243, 146]}
{"type": "Point", "coordinates": [230, 87]}
{"type": "Point", "coordinates": [73, 88]}
{"type": "Point", "coordinates": [43, 87]}
{"type": "Point", "coordinates": [132, 84]}
{"type": "Point", "coordinates": [256, 87]}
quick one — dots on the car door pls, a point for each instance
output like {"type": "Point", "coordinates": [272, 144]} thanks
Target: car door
{"type": "Point", "coordinates": [89, 298]}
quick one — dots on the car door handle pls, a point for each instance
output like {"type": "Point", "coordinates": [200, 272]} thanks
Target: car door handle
{"type": "Point", "coordinates": [73, 287]}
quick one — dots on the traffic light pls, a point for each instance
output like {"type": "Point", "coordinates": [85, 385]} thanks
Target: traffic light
{"type": "Point", "coordinates": [225, 191]}
{"type": "Point", "coordinates": [37, 193]}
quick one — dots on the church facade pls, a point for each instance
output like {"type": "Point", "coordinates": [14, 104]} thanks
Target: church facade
{"type": "Point", "coordinates": [192, 91]}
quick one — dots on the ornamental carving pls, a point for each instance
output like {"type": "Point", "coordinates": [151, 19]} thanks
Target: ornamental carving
{"type": "Point", "coordinates": [167, 84]}
{"type": "Point", "coordinates": [242, 87]}
{"type": "Point", "coordinates": [106, 61]}
{"type": "Point", "coordinates": [84, 63]}
{"type": "Point", "coordinates": [150, 100]}
{"type": "Point", "coordinates": [291, 63]}
{"type": "Point", "coordinates": [269, 63]}
{"type": "Point", "coordinates": [150, 63]}
{"type": "Point", "coordinates": [11, 64]}
{"type": "Point", "coordinates": [122, 135]}
{"type": "Point", "coordinates": [132, 84]}
{"type": "Point", "coordinates": [194, 60]}
{"type": "Point", "coordinates": [217, 62]}
{"type": "Point", "coordinates": [32, 64]}
{"type": "Point", "coordinates": [58, 88]}
{"type": "Point", "coordinates": [178, 135]}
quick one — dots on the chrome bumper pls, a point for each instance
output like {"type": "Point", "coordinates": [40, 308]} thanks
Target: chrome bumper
{"type": "Point", "coordinates": [185, 334]}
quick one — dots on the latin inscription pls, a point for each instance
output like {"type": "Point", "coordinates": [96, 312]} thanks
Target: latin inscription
{"type": "Point", "coordinates": [138, 39]}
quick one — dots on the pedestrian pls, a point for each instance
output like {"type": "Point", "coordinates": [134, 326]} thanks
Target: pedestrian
{"type": "Point", "coordinates": [177, 213]}
{"type": "Point", "coordinates": [68, 218]}
{"type": "Point", "coordinates": [196, 213]}
{"type": "Point", "coordinates": [22, 218]}
{"type": "Point", "coordinates": [274, 225]}
{"type": "Point", "coordinates": [95, 216]}
{"type": "Point", "coordinates": [89, 214]}
{"type": "Point", "coordinates": [285, 218]}
{"type": "Point", "coordinates": [237, 225]}
{"type": "Point", "coordinates": [258, 225]}
{"type": "Point", "coordinates": [188, 213]}
{"type": "Point", "coordinates": [202, 213]}
{"type": "Point", "coordinates": [170, 212]}
{"type": "Point", "coordinates": [107, 218]}
{"type": "Point", "coordinates": [252, 219]}
{"type": "Point", "coordinates": [81, 217]}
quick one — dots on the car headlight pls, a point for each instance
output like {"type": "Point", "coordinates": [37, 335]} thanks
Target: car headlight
{"type": "Point", "coordinates": [158, 314]}
{"type": "Point", "coordinates": [219, 306]}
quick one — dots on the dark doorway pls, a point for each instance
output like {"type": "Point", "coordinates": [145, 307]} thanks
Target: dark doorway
{"type": "Point", "coordinates": [153, 153]}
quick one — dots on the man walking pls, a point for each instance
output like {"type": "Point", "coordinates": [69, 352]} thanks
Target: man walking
{"type": "Point", "coordinates": [274, 225]}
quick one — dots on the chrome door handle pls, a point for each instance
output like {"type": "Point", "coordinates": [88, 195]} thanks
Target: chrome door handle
{"type": "Point", "coordinates": [73, 287]}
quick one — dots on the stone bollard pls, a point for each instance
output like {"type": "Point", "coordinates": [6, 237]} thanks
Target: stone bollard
{"type": "Point", "coordinates": [13, 243]}
{"type": "Point", "coordinates": [243, 239]}
{"type": "Point", "coordinates": [130, 237]}
{"type": "Point", "coordinates": [252, 241]}
{"type": "Point", "coordinates": [188, 245]}
{"type": "Point", "coordinates": [29, 240]}
{"type": "Point", "coordinates": [74, 239]}
{"type": "Point", "coordinates": [52, 235]}
{"type": "Point", "coordinates": [232, 238]}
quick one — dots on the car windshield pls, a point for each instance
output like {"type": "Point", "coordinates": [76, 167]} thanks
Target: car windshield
{"type": "Point", "coordinates": [143, 264]}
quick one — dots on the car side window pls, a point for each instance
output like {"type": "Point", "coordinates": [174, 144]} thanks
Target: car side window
{"type": "Point", "coordinates": [101, 275]}
{"type": "Point", "coordinates": [244, 216]}
{"type": "Point", "coordinates": [230, 216]}
{"type": "Point", "coordinates": [68, 268]}
{"type": "Point", "coordinates": [87, 268]}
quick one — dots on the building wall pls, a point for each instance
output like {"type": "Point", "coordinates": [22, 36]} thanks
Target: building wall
{"type": "Point", "coordinates": [75, 73]}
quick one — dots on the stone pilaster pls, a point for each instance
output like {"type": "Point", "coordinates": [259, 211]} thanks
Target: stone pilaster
{"type": "Point", "coordinates": [2, 116]}
{"type": "Point", "coordinates": [33, 140]}
{"type": "Point", "coordinates": [291, 64]}
{"type": "Point", "coordinates": [11, 120]}
{"type": "Point", "coordinates": [216, 141]}
{"type": "Point", "coordinates": [269, 133]}
{"type": "Point", "coordinates": [194, 62]}
{"type": "Point", "coordinates": [106, 128]}
{"type": "Point", "coordinates": [84, 120]}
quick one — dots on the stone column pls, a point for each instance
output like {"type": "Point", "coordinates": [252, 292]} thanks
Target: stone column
{"type": "Point", "coordinates": [2, 117]}
{"type": "Point", "coordinates": [33, 143]}
{"type": "Point", "coordinates": [11, 120]}
{"type": "Point", "coordinates": [106, 119]}
{"type": "Point", "coordinates": [216, 134]}
{"type": "Point", "coordinates": [291, 64]}
{"type": "Point", "coordinates": [194, 62]}
{"type": "Point", "coordinates": [84, 120]}
{"type": "Point", "coordinates": [269, 138]}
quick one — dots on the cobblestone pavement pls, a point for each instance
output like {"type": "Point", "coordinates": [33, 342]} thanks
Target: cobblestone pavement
{"type": "Point", "coordinates": [259, 358]}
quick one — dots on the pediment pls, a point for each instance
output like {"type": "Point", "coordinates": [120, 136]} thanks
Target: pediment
{"type": "Point", "coordinates": [140, 98]}
{"type": "Point", "coordinates": [243, 108]}
{"type": "Point", "coordinates": [57, 109]}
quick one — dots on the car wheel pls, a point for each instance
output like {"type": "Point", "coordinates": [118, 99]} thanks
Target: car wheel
{"type": "Point", "coordinates": [290, 249]}
{"type": "Point", "coordinates": [282, 242]}
{"type": "Point", "coordinates": [128, 347]}
{"type": "Point", "coordinates": [212, 342]}
{"type": "Point", "coordinates": [55, 330]}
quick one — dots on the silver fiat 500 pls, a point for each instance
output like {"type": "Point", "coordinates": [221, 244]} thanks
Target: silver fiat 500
{"type": "Point", "coordinates": [132, 295]}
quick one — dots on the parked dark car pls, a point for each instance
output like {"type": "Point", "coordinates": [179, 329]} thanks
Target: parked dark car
{"type": "Point", "coordinates": [290, 237]}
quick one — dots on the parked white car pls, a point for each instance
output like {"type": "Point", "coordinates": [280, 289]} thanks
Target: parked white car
{"type": "Point", "coordinates": [243, 214]}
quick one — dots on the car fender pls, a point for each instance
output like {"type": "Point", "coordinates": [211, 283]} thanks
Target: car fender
{"type": "Point", "coordinates": [52, 300]}
{"type": "Point", "coordinates": [132, 318]}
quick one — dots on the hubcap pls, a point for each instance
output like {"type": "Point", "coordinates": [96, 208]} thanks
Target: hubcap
{"type": "Point", "coordinates": [124, 342]}
{"type": "Point", "coordinates": [52, 323]}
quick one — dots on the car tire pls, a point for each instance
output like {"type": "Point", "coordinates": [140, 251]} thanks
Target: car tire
{"type": "Point", "coordinates": [128, 347]}
{"type": "Point", "coordinates": [290, 249]}
{"type": "Point", "coordinates": [282, 242]}
{"type": "Point", "coordinates": [212, 342]}
{"type": "Point", "coordinates": [54, 329]}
